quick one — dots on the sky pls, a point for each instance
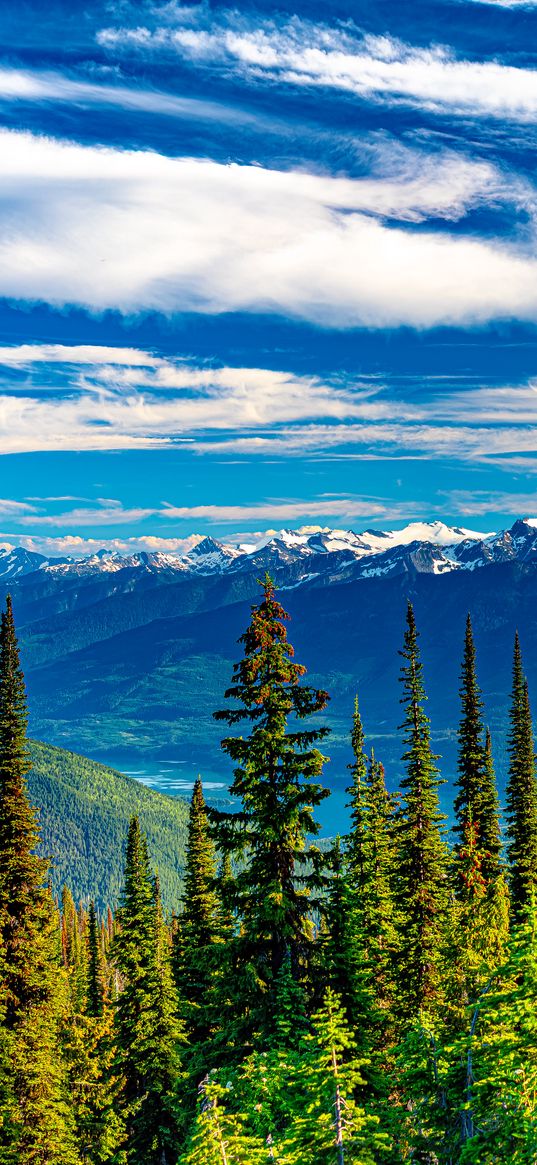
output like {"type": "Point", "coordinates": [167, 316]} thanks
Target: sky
{"type": "Point", "coordinates": [265, 266]}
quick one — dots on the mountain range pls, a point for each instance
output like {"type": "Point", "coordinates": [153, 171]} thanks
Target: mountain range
{"type": "Point", "coordinates": [127, 656]}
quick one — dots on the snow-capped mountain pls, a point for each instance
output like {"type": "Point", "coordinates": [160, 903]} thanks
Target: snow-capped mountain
{"type": "Point", "coordinates": [133, 651]}
{"type": "Point", "coordinates": [315, 551]}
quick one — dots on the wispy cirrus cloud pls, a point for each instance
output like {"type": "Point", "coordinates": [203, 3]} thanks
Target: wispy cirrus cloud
{"type": "Point", "coordinates": [273, 509]}
{"type": "Point", "coordinates": [15, 509]}
{"type": "Point", "coordinates": [379, 68]}
{"type": "Point", "coordinates": [99, 398]}
{"type": "Point", "coordinates": [134, 230]}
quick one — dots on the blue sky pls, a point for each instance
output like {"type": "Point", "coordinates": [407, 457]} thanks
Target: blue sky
{"type": "Point", "coordinates": [265, 267]}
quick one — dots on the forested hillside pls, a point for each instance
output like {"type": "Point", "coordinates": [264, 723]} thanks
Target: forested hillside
{"type": "Point", "coordinates": [84, 812]}
{"type": "Point", "coordinates": [372, 1002]}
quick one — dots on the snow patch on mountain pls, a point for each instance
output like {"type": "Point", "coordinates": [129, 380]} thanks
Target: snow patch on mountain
{"type": "Point", "coordinates": [297, 557]}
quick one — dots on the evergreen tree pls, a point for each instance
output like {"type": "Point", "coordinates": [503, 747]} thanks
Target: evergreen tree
{"type": "Point", "coordinates": [37, 1123]}
{"type": "Point", "coordinates": [328, 1126]}
{"type": "Point", "coordinates": [499, 1053]}
{"type": "Point", "coordinates": [221, 1135]}
{"type": "Point", "coordinates": [147, 1031]}
{"type": "Point", "coordinates": [477, 798]}
{"type": "Point", "coordinates": [197, 929]}
{"type": "Point", "coordinates": [422, 859]}
{"type": "Point", "coordinates": [343, 953]}
{"type": "Point", "coordinates": [95, 991]}
{"type": "Point", "coordinates": [521, 793]}
{"type": "Point", "coordinates": [277, 764]}
{"type": "Point", "coordinates": [357, 796]}
{"type": "Point", "coordinates": [378, 905]}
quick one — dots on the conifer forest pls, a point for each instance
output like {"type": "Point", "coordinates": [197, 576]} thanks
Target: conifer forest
{"type": "Point", "coordinates": [371, 1000]}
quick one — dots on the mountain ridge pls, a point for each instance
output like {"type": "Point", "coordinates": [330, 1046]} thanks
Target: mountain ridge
{"type": "Point", "coordinates": [448, 548]}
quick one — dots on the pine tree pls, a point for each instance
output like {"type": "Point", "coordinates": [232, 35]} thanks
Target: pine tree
{"type": "Point", "coordinates": [422, 859]}
{"type": "Point", "coordinates": [477, 798]}
{"type": "Point", "coordinates": [274, 780]}
{"type": "Point", "coordinates": [37, 1122]}
{"type": "Point", "coordinates": [147, 1031]}
{"type": "Point", "coordinates": [521, 793]}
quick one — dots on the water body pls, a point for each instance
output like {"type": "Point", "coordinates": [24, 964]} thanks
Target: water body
{"type": "Point", "coordinates": [176, 778]}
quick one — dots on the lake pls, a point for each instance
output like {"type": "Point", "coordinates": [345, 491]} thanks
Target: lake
{"type": "Point", "coordinates": [176, 778]}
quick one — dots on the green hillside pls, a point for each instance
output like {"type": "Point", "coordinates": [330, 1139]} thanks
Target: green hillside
{"type": "Point", "coordinates": [84, 810]}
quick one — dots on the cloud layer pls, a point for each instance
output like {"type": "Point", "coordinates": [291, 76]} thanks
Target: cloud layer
{"type": "Point", "coordinates": [137, 231]}
{"type": "Point", "coordinates": [83, 397]}
{"type": "Point", "coordinates": [379, 68]}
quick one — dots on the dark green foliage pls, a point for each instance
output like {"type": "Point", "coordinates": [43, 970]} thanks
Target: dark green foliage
{"type": "Point", "coordinates": [38, 1122]}
{"type": "Point", "coordinates": [521, 793]}
{"type": "Point", "coordinates": [277, 767]}
{"type": "Point", "coordinates": [147, 1030]}
{"type": "Point", "coordinates": [343, 946]}
{"type": "Point", "coordinates": [95, 985]}
{"type": "Point", "coordinates": [477, 798]}
{"type": "Point", "coordinates": [200, 957]}
{"type": "Point", "coordinates": [357, 793]}
{"type": "Point", "coordinates": [422, 857]}
{"type": "Point", "coordinates": [336, 1007]}
{"type": "Point", "coordinates": [81, 801]}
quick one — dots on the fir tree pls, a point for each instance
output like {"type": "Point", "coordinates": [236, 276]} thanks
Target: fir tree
{"type": "Point", "coordinates": [328, 1126]}
{"type": "Point", "coordinates": [221, 1135]}
{"type": "Point", "coordinates": [477, 798]}
{"type": "Point", "coordinates": [38, 1122]}
{"type": "Point", "coordinates": [277, 764]}
{"type": "Point", "coordinates": [499, 1053]}
{"type": "Point", "coordinates": [357, 795]}
{"type": "Point", "coordinates": [521, 793]}
{"type": "Point", "coordinates": [147, 1031]}
{"type": "Point", "coordinates": [422, 859]}
{"type": "Point", "coordinates": [343, 952]}
{"type": "Point", "coordinates": [197, 929]}
{"type": "Point", "coordinates": [95, 992]}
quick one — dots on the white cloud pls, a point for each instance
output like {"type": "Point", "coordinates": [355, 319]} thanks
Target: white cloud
{"type": "Point", "coordinates": [107, 398]}
{"type": "Point", "coordinates": [503, 3]}
{"type": "Point", "coordinates": [74, 545]}
{"type": "Point", "coordinates": [27, 354]}
{"type": "Point", "coordinates": [115, 407]}
{"type": "Point", "coordinates": [11, 509]}
{"type": "Point", "coordinates": [279, 510]}
{"type": "Point", "coordinates": [476, 502]}
{"type": "Point", "coordinates": [38, 86]}
{"type": "Point", "coordinates": [381, 441]}
{"type": "Point", "coordinates": [374, 67]}
{"type": "Point", "coordinates": [135, 230]}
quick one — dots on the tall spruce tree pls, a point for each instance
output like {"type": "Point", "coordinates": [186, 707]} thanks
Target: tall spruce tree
{"type": "Point", "coordinates": [422, 859]}
{"type": "Point", "coordinates": [197, 929]}
{"type": "Point", "coordinates": [521, 793]}
{"type": "Point", "coordinates": [275, 781]}
{"type": "Point", "coordinates": [378, 907]}
{"type": "Point", "coordinates": [357, 797]}
{"type": "Point", "coordinates": [37, 1122]}
{"type": "Point", "coordinates": [477, 798]}
{"type": "Point", "coordinates": [147, 1030]}
{"type": "Point", "coordinates": [95, 985]}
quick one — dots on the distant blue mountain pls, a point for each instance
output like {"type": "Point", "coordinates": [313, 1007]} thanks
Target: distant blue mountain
{"type": "Point", "coordinates": [131, 655]}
